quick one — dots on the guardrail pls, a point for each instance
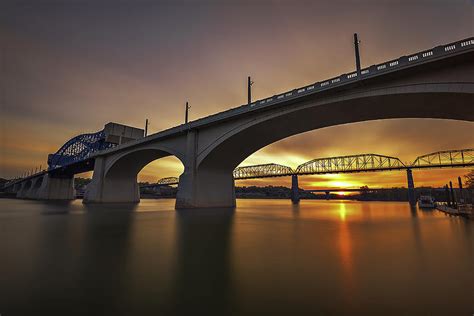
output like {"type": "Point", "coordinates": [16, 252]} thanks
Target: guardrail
{"type": "Point", "coordinates": [368, 72]}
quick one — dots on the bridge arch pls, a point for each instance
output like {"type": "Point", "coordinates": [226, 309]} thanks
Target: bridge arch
{"type": "Point", "coordinates": [115, 177]}
{"type": "Point", "coordinates": [213, 184]}
{"type": "Point", "coordinates": [130, 163]}
{"type": "Point", "coordinates": [437, 101]}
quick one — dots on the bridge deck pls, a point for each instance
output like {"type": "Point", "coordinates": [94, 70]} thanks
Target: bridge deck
{"type": "Point", "coordinates": [342, 81]}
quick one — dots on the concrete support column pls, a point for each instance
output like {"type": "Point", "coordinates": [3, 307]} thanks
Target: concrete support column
{"type": "Point", "coordinates": [9, 189]}
{"type": "Point", "coordinates": [16, 188]}
{"type": "Point", "coordinates": [295, 193]}
{"type": "Point", "coordinates": [51, 188]}
{"type": "Point", "coordinates": [203, 187]}
{"type": "Point", "coordinates": [411, 188]}
{"type": "Point", "coordinates": [22, 192]}
{"type": "Point", "coordinates": [32, 192]}
{"type": "Point", "coordinates": [117, 188]}
{"type": "Point", "coordinates": [94, 190]}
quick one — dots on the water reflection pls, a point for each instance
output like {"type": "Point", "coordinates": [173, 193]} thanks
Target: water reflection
{"type": "Point", "coordinates": [265, 257]}
{"type": "Point", "coordinates": [345, 250]}
{"type": "Point", "coordinates": [202, 276]}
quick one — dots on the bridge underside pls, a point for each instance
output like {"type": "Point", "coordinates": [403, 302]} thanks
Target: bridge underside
{"type": "Point", "coordinates": [115, 180]}
{"type": "Point", "coordinates": [211, 183]}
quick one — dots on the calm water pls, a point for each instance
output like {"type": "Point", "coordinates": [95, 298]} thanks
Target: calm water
{"type": "Point", "coordinates": [265, 257]}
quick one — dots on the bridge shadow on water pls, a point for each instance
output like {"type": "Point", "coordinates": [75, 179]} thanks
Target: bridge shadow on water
{"type": "Point", "coordinates": [67, 261]}
{"type": "Point", "coordinates": [203, 282]}
{"type": "Point", "coordinates": [76, 259]}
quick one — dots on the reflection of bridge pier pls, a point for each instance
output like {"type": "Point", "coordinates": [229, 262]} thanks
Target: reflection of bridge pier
{"type": "Point", "coordinates": [202, 271]}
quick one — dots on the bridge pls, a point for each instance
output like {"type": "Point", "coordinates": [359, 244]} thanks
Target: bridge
{"type": "Point", "coordinates": [433, 83]}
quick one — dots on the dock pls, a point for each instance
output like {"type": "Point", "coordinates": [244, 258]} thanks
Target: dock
{"type": "Point", "coordinates": [464, 210]}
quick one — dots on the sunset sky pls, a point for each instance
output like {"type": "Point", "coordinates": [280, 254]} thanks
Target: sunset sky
{"type": "Point", "coordinates": [69, 67]}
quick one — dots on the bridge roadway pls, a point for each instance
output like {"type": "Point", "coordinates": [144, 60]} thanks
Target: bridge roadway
{"type": "Point", "coordinates": [434, 83]}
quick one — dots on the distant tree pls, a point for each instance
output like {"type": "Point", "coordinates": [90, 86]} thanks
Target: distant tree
{"type": "Point", "coordinates": [469, 182]}
{"type": "Point", "coordinates": [364, 190]}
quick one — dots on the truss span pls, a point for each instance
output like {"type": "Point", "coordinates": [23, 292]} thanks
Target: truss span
{"type": "Point", "coordinates": [447, 158]}
{"type": "Point", "coordinates": [348, 164]}
{"type": "Point", "coordinates": [168, 181]}
{"type": "Point", "coordinates": [78, 149]}
{"type": "Point", "coordinates": [353, 163]}
{"type": "Point", "coordinates": [262, 171]}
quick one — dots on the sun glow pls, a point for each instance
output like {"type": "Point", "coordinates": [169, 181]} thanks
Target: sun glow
{"type": "Point", "coordinates": [342, 211]}
{"type": "Point", "coordinates": [341, 184]}
{"type": "Point", "coordinates": [336, 184]}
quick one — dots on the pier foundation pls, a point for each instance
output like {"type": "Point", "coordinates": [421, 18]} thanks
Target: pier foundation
{"type": "Point", "coordinates": [295, 194]}
{"type": "Point", "coordinates": [411, 188]}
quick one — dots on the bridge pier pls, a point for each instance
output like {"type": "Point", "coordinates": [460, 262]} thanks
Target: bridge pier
{"type": "Point", "coordinates": [411, 188]}
{"type": "Point", "coordinates": [295, 193]}
{"type": "Point", "coordinates": [48, 187]}
{"type": "Point", "coordinates": [117, 188]}
{"type": "Point", "coordinates": [23, 191]}
{"type": "Point", "coordinates": [33, 191]}
{"type": "Point", "coordinates": [207, 188]}
{"type": "Point", "coordinates": [203, 187]}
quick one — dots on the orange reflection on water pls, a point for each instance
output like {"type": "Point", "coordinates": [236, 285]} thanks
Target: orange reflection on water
{"type": "Point", "coordinates": [345, 252]}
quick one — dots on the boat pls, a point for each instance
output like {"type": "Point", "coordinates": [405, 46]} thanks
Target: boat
{"type": "Point", "coordinates": [426, 201]}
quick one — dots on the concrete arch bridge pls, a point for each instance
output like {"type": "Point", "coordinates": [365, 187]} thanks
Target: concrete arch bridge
{"type": "Point", "coordinates": [434, 83]}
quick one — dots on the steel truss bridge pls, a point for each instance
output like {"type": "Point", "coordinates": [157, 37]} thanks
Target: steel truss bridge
{"type": "Point", "coordinates": [349, 164]}
{"type": "Point", "coordinates": [78, 149]}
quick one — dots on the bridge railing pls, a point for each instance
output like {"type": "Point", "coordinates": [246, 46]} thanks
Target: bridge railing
{"type": "Point", "coordinates": [368, 72]}
{"type": "Point", "coordinates": [391, 65]}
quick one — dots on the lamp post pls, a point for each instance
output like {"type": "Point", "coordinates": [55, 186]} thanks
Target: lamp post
{"type": "Point", "coordinates": [357, 55]}
{"type": "Point", "coordinates": [186, 117]}
{"type": "Point", "coordinates": [249, 90]}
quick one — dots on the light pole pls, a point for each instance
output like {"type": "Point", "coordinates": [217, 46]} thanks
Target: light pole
{"type": "Point", "coordinates": [357, 55]}
{"type": "Point", "coordinates": [186, 117]}
{"type": "Point", "coordinates": [249, 90]}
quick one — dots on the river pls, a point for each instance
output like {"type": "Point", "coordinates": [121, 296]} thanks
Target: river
{"type": "Point", "coordinates": [265, 257]}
